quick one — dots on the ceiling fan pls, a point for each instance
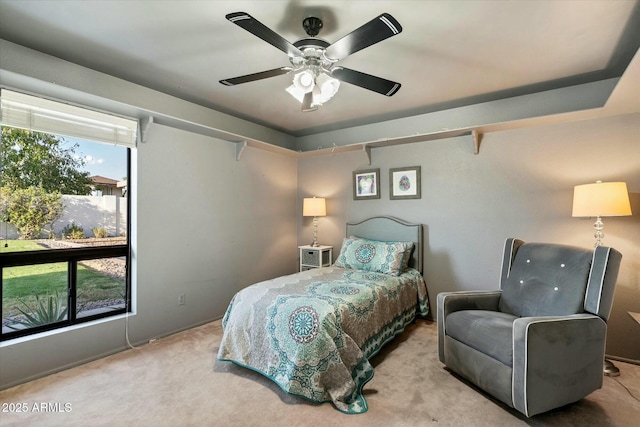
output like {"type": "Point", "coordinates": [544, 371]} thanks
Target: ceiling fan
{"type": "Point", "coordinates": [316, 77]}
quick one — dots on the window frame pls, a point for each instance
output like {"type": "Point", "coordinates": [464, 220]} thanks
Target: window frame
{"type": "Point", "coordinates": [72, 256]}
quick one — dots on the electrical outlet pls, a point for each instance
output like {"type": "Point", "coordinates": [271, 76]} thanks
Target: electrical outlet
{"type": "Point", "coordinates": [181, 299]}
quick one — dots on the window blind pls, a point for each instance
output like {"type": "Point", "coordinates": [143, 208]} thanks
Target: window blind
{"type": "Point", "coordinates": [43, 115]}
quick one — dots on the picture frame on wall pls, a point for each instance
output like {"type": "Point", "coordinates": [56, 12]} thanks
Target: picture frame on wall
{"type": "Point", "coordinates": [404, 183]}
{"type": "Point", "coordinates": [366, 184]}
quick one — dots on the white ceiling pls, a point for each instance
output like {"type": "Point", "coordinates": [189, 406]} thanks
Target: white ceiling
{"type": "Point", "coordinates": [449, 54]}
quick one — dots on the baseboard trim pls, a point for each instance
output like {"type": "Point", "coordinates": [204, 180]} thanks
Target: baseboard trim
{"type": "Point", "coordinates": [623, 359]}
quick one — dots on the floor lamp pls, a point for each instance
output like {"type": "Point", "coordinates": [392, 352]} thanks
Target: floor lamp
{"type": "Point", "coordinates": [315, 207]}
{"type": "Point", "coordinates": [595, 201]}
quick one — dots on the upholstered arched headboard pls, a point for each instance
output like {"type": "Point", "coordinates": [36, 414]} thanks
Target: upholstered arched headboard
{"type": "Point", "coordinates": [387, 228]}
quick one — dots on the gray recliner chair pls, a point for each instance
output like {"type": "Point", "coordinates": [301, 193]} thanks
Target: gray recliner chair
{"type": "Point", "coordinates": [538, 342]}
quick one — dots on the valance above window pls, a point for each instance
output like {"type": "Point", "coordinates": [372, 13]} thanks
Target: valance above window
{"type": "Point", "coordinates": [42, 115]}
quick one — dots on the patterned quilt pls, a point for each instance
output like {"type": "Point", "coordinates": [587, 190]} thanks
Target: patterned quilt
{"type": "Point", "coordinates": [313, 332]}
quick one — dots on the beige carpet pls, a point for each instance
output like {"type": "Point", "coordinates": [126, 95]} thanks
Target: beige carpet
{"type": "Point", "coordinates": [177, 381]}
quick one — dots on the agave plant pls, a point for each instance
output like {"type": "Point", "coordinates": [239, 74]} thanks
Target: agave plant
{"type": "Point", "coordinates": [52, 310]}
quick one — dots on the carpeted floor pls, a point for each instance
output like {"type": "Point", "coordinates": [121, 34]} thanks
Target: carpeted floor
{"type": "Point", "coordinates": [177, 381]}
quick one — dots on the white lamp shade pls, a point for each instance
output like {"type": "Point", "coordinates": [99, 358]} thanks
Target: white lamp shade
{"type": "Point", "coordinates": [328, 87]}
{"type": "Point", "coordinates": [601, 199]}
{"type": "Point", "coordinates": [304, 81]}
{"type": "Point", "coordinates": [314, 206]}
{"type": "Point", "coordinates": [296, 93]}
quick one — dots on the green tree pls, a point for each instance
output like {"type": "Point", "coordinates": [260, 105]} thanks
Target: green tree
{"type": "Point", "coordinates": [30, 209]}
{"type": "Point", "coordinates": [36, 159]}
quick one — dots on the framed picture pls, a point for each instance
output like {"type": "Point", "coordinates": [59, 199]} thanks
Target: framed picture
{"type": "Point", "coordinates": [366, 184]}
{"type": "Point", "coordinates": [404, 183]}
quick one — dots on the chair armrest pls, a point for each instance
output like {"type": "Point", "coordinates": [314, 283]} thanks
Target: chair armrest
{"type": "Point", "coordinates": [556, 360]}
{"type": "Point", "coordinates": [448, 302]}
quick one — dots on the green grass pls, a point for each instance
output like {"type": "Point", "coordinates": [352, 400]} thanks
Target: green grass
{"type": "Point", "coordinates": [25, 282]}
{"type": "Point", "coordinates": [20, 246]}
{"type": "Point", "coordinates": [43, 279]}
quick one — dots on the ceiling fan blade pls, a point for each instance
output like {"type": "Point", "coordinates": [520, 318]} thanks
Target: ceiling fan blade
{"type": "Point", "coordinates": [374, 31]}
{"type": "Point", "coordinates": [367, 81]}
{"type": "Point", "coordinates": [255, 76]}
{"type": "Point", "coordinates": [255, 27]}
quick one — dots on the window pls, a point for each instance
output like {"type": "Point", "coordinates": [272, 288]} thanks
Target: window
{"type": "Point", "coordinates": [64, 235]}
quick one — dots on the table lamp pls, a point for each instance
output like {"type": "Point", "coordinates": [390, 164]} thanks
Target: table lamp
{"type": "Point", "coordinates": [315, 207]}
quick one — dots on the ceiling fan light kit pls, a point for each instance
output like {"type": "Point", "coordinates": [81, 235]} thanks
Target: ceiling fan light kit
{"type": "Point", "coordinates": [321, 86]}
{"type": "Point", "coordinates": [316, 79]}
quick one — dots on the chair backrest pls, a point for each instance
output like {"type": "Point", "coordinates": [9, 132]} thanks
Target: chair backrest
{"type": "Point", "coordinates": [544, 279]}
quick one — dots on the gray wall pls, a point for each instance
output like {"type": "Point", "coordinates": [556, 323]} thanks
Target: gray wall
{"type": "Point", "coordinates": [519, 185]}
{"type": "Point", "coordinates": [207, 226]}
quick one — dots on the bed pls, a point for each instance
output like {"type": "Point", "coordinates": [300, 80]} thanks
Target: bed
{"type": "Point", "coordinates": [313, 332]}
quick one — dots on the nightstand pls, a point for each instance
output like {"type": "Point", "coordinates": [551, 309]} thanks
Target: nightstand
{"type": "Point", "coordinates": [315, 256]}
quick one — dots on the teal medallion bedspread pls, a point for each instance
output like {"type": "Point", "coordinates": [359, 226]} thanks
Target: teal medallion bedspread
{"type": "Point", "coordinates": [313, 332]}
